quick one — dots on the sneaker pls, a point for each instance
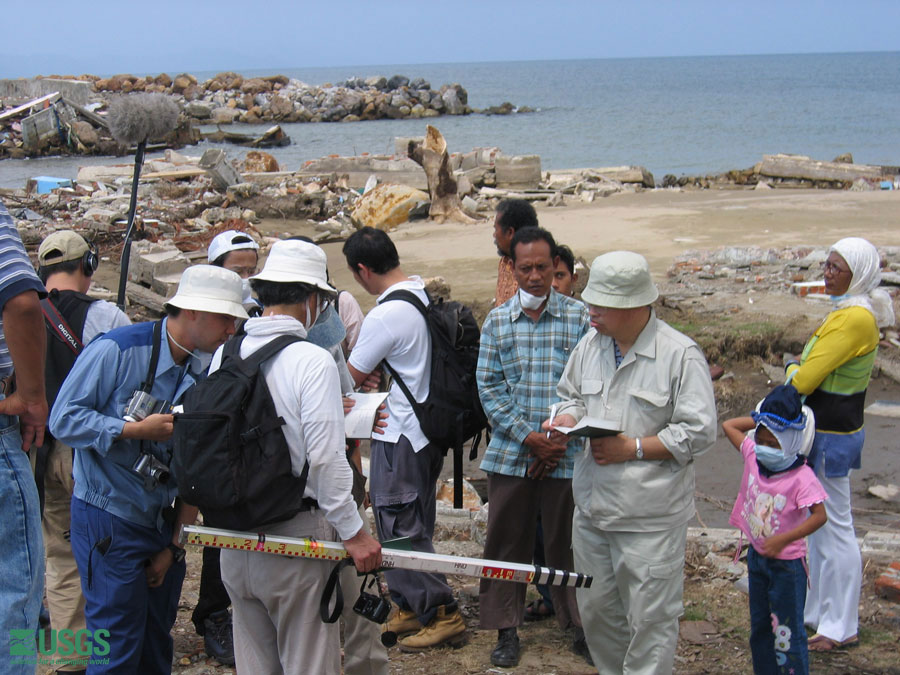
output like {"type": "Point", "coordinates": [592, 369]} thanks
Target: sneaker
{"type": "Point", "coordinates": [506, 653]}
{"type": "Point", "coordinates": [217, 637]}
{"type": "Point", "coordinates": [445, 628]}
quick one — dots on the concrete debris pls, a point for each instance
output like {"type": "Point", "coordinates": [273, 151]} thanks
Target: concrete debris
{"type": "Point", "coordinates": [889, 493]}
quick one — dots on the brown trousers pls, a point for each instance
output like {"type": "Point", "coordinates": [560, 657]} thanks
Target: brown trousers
{"type": "Point", "coordinates": [514, 503]}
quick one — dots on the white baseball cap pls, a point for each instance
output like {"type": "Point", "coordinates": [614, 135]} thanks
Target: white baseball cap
{"type": "Point", "coordinates": [224, 242]}
{"type": "Point", "coordinates": [621, 280]}
{"type": "Point", "coordinates": [206, 288]}
{"type": "Point", "coordinates": [295, 261]}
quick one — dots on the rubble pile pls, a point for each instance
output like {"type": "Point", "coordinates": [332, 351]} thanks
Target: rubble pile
{"type": "Point", "coordinates": [796, 270]}
{"type": "Point", "coordinates": [797, 171]}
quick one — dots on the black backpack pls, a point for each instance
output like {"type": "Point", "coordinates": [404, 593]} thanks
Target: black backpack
{"type": "Point", "coordinates": [231, 458]}
{"type": "Point", "coordinates": [452, 413]}
{"type": "Point", "coordinates": [64, 316]}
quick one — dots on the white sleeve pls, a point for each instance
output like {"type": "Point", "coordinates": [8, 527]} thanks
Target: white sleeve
{"type": "Point", "coordinates": [373, 346]}
{"type": "Point", "coordinates": [322, 428]}
{"type": "Point", "coordinates": [101, 318]}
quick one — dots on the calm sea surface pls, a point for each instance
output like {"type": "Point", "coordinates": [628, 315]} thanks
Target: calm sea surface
{"type": "Point", "coordinates": [687, 115]}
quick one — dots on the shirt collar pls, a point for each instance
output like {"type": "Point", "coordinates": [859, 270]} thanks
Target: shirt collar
{"type": "Point", "coordinates": [553, 306]}
{"type": "Point", "coordinates": [197, 362]}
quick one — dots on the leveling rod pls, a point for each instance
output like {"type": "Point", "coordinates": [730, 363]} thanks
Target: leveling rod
{"type": "Point", "coordinates": [297, 547]}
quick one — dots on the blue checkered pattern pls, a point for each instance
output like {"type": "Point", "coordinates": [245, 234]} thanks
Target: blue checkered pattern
{"type": "Point", "coordinates": [519, 365]}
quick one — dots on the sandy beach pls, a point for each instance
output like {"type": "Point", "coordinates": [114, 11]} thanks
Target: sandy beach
{"type": "Point", "coordinates": [659, 224]}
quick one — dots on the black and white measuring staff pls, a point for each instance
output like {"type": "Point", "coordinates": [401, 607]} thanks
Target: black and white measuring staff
{"type": "Point", "coordinates": [297, 547]}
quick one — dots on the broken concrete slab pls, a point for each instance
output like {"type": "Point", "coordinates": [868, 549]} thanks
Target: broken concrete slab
{"type": "Point", "coordinates": [517, 171]}
{"type": "Point", "coordinates": [150, 261]}
{"type": "Point", "coordinates": [800, 166]}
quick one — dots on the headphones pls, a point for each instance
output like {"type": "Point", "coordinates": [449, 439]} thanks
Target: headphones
{"type": "Point", "coordinates": [90, 261]}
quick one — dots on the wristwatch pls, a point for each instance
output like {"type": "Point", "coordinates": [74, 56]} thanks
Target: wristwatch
{"type": "Point", "coordinates": [178, 553]}
{"type": "Point", "coordinates": [638, 449]}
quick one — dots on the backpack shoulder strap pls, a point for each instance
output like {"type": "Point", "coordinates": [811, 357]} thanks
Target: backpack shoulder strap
{"type": "Point", "coordinates": [411, 298]}
{"type": "Point", "coordinates": [59, 327]}
{"type": "Point", "coordinates": [267, 351]}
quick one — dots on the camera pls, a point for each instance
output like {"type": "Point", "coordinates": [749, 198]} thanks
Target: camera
{"type": "Point", "coordinates": [372, 607]}
{"type": "Point", "coordinates": [141, 405]}
{"type": "Point", "coordinates": [151, 470]}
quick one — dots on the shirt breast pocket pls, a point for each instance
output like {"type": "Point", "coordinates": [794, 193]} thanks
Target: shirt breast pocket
{"type": "Point", "coordinates": [650, 411]}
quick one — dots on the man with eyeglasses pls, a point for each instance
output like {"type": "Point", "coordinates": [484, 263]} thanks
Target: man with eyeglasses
{"type": "Point", "coordinates": [236, 251]}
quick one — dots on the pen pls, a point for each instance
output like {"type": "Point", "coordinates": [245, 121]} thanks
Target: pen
{"type": "Point", "coordinates": [552, 417]}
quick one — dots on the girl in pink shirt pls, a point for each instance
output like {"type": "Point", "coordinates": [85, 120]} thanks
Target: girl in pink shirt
{"type": "Point", "coordinates": [780, 502]}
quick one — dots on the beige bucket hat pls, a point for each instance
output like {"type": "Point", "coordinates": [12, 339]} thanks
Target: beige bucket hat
{"type": "Point", "coordinates": [206, 288]}
{"type": "Point", "coordinates": [297, 262]}
{"type": "Point", "coordinates": [620, 280]}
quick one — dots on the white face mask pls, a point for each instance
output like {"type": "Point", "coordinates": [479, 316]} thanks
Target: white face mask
{"type": "Point", "coordinates": [247, 292]}
{"type": "Point", "coordinates": [530, 301]}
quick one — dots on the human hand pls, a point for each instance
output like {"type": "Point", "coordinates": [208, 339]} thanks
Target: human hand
{"type": "Point", "coordinates": [365, 551]}
{"type": "Point", "coordinates": [540, 469]}
{"type": "Point", "coordinates": [156, 427]}
{"type": "Point", "coordinates": [372, 381]}
{"type": "Point", "coordinates": [546, 449]}
{"type": "Point", "coordinates": [157, 567]}
{"type": "Point", "coordinates": [348, 403]}
{"type": "Point", "coordinates": [774, 545]}
{"type": "Point", "coordinates": [558, 421]}
{"type": "Point", "coordinates": [32, 416]}
{"type": "Point", "coordinates": [380, 419]}
{"type": "Point", "coordinates": [613, 449]}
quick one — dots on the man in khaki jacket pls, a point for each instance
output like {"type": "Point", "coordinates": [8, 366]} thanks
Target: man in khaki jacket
{"type": "Point", "coordinates": [634, 491]}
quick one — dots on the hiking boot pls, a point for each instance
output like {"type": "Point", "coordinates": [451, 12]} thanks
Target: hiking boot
{"type": "Point", "coordinates": [446, 628]}
{"type": "Point", "coordinates": [506, 653]}
{"type": "Point", "coordinates": [402, 623]}
{"type": "Point", "coordinates": [217, 637]}
{"type": "Point", "coordinates": [580, 647]}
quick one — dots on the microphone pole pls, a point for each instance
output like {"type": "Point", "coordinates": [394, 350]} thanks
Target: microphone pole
{"type": "Point", "coordinates": [134, 120]}
{"type": "Point", "coordinates": [129, 230]}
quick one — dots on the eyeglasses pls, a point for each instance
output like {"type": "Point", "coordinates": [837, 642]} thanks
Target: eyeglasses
{"type": "Point", "coordinates": [244, 272]}
{"type": "Point", "coordinates": [830, 268]}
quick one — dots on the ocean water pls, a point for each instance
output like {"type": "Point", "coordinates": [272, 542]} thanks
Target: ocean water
{"type": "Point", "coordinates": [684, 115]}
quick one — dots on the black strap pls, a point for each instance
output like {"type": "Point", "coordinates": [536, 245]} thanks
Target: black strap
{"type": "Point", "coordinates": [60, 327]}
{"type": "Point", "coordinates": [333, 587]}
{"type": "Point", "coordinates": [154, 357]}
{"type": "Point", "coordinates": [415, 301]}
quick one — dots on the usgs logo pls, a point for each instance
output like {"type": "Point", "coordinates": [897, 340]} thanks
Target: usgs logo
{"type": "Point", "coordinates": [58, 643]}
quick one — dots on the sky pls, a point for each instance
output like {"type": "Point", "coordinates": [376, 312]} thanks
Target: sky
{"type": "Point", "coordinates": [130, 36]}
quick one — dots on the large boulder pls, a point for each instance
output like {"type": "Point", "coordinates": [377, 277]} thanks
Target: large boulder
{"type": "Point", "coordinates": [452, 104]}
{"type": "Point", "coordinates": [386, 206]}
{"type": "Point", "coordinates": [397, 81]}
{"type": "Point", "coordinates": [258, 161]}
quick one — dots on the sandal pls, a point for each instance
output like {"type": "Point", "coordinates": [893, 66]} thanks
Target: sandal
{"type": "Point", "coordinates": [537, 611]}
{"type": "Point", "coordinates": [820, 643]}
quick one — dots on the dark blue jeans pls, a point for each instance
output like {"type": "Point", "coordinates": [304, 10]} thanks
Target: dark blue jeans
{"type": "Point", "coordinates": [111, 553]}
{"type": "Point", "coordinates": [777, 597]}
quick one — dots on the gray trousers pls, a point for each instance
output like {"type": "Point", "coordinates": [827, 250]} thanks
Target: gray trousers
{"type": "Point", "coordinates": [631, 610]}
{"type": "Point", "coordinates": [512, 521]}
{"type": "Point", "coordinates": [402, 486]}
{"type": "Point", "coordinates": [275, 601]}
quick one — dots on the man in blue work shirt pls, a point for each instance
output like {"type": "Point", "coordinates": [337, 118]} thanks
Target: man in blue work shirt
{"type": "Point", "coordinates": [124, 527]}
{"type": "Point", "coordinates": [22, 346]}
{"type": "Point", "coordinates": [525, 343]}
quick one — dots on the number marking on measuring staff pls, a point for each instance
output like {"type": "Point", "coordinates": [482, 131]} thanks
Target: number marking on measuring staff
{"type": "Point", "coordinates": [391, 558]}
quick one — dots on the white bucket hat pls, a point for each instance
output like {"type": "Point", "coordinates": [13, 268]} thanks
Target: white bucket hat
{"type": "Point", "coordinates": [224, 243]}
{"type": "Point", "coordinates": [620, 280]}
{"type": "Point", "coordinates": [292, 261]}
{"type": "Point", "coordinates": [206, 288]}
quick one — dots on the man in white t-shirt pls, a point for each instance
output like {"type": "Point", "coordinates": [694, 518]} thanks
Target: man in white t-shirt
{"type": "Point", "coordinates": [404, 466]}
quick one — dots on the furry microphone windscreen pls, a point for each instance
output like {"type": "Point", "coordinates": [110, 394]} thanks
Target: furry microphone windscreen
{"type": "Point", "coordinates": [141, 117]}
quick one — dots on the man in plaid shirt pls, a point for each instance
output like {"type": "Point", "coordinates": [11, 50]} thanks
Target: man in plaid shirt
{"type": "Point", "coordinates": [525, 344]}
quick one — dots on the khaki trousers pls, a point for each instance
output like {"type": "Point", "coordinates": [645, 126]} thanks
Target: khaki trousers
{"type": "Point", "coordinates": [363, 652]}
{"type": "Point", "coordinates": [64, 598]}
{"type": "Point", "coordinates": [630, 612]}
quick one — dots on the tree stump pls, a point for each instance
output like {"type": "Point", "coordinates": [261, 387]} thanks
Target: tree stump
{"type": "Point", "coordinates": [433, 157]}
